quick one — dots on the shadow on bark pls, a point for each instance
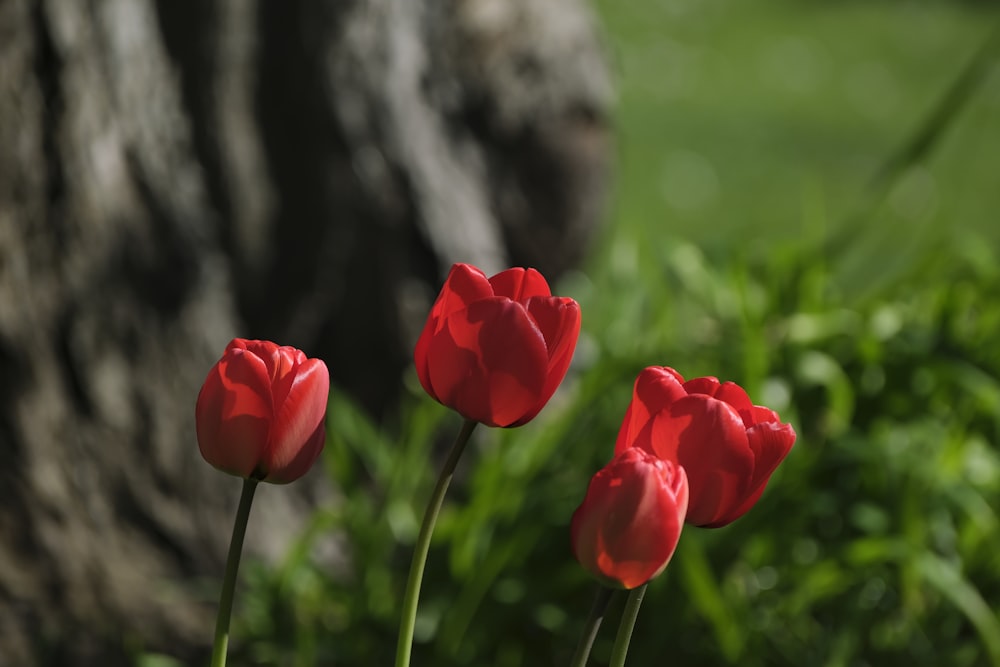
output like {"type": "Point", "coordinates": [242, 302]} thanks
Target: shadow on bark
{"type": "Point", "coordinates": [174, 174]}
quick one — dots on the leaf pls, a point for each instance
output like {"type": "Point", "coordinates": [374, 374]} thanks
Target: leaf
{"type": "Point", "coordinates": [948, 580]}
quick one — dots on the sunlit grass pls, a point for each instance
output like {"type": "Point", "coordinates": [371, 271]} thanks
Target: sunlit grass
{"type": "Point", "coordinates": [738, 119]}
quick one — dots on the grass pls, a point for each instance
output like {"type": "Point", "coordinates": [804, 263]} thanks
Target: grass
{"type": "Point", "coordinates": [755, 235]}
{"type": "Point", "coordinates": [766, 122]}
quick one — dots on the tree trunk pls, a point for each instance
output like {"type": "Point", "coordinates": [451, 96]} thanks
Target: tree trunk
{"type": "Point", "coordinates": [176, 174]}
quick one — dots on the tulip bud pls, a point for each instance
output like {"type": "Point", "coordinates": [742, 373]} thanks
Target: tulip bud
{"type": "Point", "coordinates": [495, 349]}
{"type": "Point", "coordinates": [628, 526]}
{"type": "Point", "coordinates": [260, 413]}
{"type": "Point", "coordinates": [728, 446]}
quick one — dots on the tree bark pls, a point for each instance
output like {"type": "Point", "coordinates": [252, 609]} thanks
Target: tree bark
{"type": "Point", "coordinates": [174, 174]}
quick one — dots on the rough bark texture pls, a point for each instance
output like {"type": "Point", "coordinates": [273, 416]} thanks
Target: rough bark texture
{"type": "Point", "coordinates": [175, 174]}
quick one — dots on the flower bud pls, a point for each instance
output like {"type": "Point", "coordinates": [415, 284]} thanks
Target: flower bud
{"type": "Point", "coordinates": [260, 413]}
{"type": "Point", "coordinates": [627, 528]}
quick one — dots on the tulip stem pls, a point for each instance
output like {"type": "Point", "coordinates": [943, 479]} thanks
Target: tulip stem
{"type": "Point", "coordinates": [629, 615]}
{"type": "Point", "coordinates": [420, 549]}
{"type": "Point", "coordinates": [593, 624]}
{"type": "Point", "coordinates": [229, 580]}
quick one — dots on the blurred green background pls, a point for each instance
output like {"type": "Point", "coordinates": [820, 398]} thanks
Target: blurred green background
{"type": "Point", "coordinates": [807, 201]}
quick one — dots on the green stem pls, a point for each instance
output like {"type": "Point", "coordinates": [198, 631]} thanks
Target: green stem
{"type": "Point", "coordinates": [593, 624]}
{"type": "Point", "coordinates": [629, 615]}
{"type": "Point", "coordinates": [412, 594]}
{"type": "Point", "coordinates": [229, 580]}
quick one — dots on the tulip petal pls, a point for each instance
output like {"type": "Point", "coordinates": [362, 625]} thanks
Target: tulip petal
{"type": "Point", "coordinates": [760, 415]}
{"type": "Point", "coordinates": [637, 547]}
{"type": "Point", "coordinates": [246, 379]}
{"type": "Point", "coordinates": [740, 509]}
{"type": "Point", "coordinates": [297, 417]}
{"type": "Point", "coordinates": [628, 525]}
{"type": "Point", "coordinates": [464, 285]}
{"type": "Point", "coordinates": [734, 395]}
{"type": "Point", "coordinates": [707, 438]}
{"type": "Point", "coordinates": [233, 413]}
{"type": "Point", "coordinates": [239, 344]}
{"type": "Point", "coordinates": [519, 284]}
{"type": "Point", "coordinates": [558, 319]}
{"type": "Point", "coordinates": [770, 443]}
{"type": "Point", "coordinates": [452, 366]}
{"type": "Point", "coordinates": [303, 460]}
{"type": "Point", "coordinates": [655, 388]}
{"type": "Point", "coordinates": [261, 410]}
{"type": "Point", "coordinates": [631, 422]}
{"type": "Point", "coordinates": [208, 410]}
{"type": "Point", "coordinates": [704, 385]}
{"type": "Point", "coordinates": [282, 365]}
{"type": "Point", "coordinates": [262, 349]}
{"type": "Point", "coordinates": [489, 363]}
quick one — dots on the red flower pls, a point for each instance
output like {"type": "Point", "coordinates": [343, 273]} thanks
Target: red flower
{"type": "Point", "coordinates": [495, 349]}
{"type": "Point", "coordinates": [628, 526]}
{"type": "Point", "coordinates": [260, 412]}
{"type": "Point", "coordinates": [728, 446]}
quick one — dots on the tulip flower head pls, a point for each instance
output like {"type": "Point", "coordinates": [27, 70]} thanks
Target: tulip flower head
{"type": "Point", "coordinates": [728, 446]}
{"type": "Point", "coordinates": [627, 528]}
{"type": "Point", "coordinates": [495, 349]}
{"type": "Point", "coordinates": [260, 414]}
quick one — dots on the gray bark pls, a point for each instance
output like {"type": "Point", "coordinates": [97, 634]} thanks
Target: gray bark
{"type": "Point", "coordinates": [176, 174]}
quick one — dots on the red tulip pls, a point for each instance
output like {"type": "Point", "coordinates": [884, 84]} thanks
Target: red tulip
{"type": "Point", "coordinates": [727, 445]}
{"type": "Point", "coordinates": [495, 349]}
{"type": "Point", "coordinates": [628, 526]}
{"type": "Point", "coordinates": [260, 413]}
